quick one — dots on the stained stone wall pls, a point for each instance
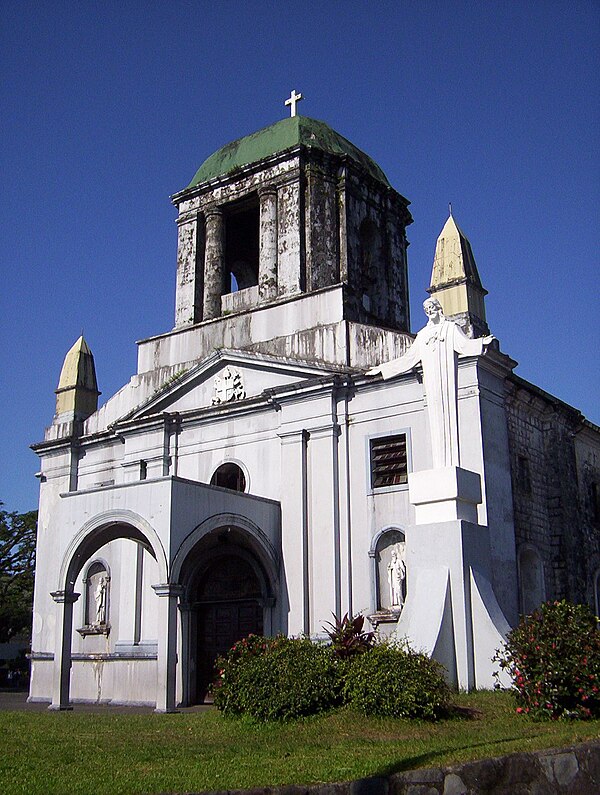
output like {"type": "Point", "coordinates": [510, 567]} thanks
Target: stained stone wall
{"type": "Point", "coordinates": [375, 260]}
{"type": "Point", "coordinates": [555, 462]}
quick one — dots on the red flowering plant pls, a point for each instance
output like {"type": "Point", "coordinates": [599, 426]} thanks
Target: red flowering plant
{"type": "Point", "coordinates": [553, 657]}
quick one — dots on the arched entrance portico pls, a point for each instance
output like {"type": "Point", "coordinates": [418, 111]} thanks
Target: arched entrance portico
{"type": "Point", "coordinates": [229, 587]}
{"type": "Point", "coordinates": [94, 535]}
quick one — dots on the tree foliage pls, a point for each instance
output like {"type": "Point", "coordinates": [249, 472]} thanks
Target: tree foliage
{"type": "Point", "coordinates": [17, 565]}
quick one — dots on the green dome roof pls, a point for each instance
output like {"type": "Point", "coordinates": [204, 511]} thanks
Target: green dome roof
{"type": "Point", "coordinates": [282, 135]}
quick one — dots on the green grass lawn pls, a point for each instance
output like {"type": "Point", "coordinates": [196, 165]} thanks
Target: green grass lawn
{"type": "Point", "coordinates": [97, 754]}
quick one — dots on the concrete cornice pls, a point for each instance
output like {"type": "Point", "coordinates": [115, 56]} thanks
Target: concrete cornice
{"type": "Point", "coordinates": [546, 398]}
{"type": "Point", "coordinates": [234, 176]}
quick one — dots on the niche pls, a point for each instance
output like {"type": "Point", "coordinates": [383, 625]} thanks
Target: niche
{"type": "Point", "coordinates": [390, 558]}
{"type": "Point", "coordinates": [96, 600]}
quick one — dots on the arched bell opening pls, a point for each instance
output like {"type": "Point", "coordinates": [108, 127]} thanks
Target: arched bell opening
{"type": "Point", "coordinates": [228, 596]}
{"type": "Point", "coordinates": [241, 244]}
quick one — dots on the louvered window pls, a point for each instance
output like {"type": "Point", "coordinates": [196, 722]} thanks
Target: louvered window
{"type": "Point", "coordinates": [388, 461]}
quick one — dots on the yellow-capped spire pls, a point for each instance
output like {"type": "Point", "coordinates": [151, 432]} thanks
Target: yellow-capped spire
{"type": "Point", "coordinates": [77, 392]}
{"type": "Point", "coordinates": [455, 280]}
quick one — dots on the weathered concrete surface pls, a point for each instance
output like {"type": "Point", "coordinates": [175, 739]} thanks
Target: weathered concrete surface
{"type": "Point", "coordinates": [326, 216]}
{"type": "Point", "coordinates": [572, 771]}
{"type": "Point", "coordinates": [555, 462]}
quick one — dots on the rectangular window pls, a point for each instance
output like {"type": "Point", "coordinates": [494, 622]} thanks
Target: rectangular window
{"type": "Point", "coordinates": [389, 465]}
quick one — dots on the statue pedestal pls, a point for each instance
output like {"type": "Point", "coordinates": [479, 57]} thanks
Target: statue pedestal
{"type": "Point", "coordinates": [444, 495]}
{"type": "Point", "coordinates": [451, 612]}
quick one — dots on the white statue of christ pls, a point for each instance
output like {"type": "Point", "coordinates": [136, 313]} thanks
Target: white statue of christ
{"type": "Point", "coordinates": [437, 347]}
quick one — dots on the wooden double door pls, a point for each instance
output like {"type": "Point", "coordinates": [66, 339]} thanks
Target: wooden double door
{"type": "Point", "coordinates": [229, 608]}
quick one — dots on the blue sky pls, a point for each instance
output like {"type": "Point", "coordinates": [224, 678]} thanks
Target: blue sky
{"type": "Point", "coordinates": [109, 108]}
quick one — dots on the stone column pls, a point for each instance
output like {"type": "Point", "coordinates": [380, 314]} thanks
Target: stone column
{"type": "Point", "coordinates": [62, 651]}
{"type": "Point", "coordinates": [167, 646]}
{"type": "Point", "coordinates": [342, 225]}
{"type": "Point", "coordinates": [214, 263]}
{"type": "Point", "coordinates": [397, 304]}
{"type": "Point", "coordinates": [188, 663]}
{"type": "Point", "coordinates": [290, 239]}
{"type": "Point", "coordinates": [321, 232]}
{"type": "Point", "coordinates": [267, 267]}
{"type": "Point", "coordinates": [189, 292]}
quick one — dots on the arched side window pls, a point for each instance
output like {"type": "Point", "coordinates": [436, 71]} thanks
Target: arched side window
{"type": "Point", "coordinates": [229, 476]}
{"type": "Point", "coordinates": [96, 583]}
{"type": "Point", "coordinates": [389, 571]}
{"type": "Point", "coordinates": [532, 588]}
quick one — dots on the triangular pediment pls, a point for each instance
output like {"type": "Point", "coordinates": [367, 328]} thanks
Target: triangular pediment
{"type": "Point", "coordinates": [224, 378]}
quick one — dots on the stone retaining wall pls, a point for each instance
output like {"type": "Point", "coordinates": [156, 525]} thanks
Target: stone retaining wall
{"type": "Point", "coordinates": [573, 771]}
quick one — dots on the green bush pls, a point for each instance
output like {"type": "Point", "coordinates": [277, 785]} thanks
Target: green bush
{"type": "Point", "coordinates": [277, 679]}
{"type": "Point", "coordinates": [393, 681]}
{"type": "Point", "coordinates": [553, 656]}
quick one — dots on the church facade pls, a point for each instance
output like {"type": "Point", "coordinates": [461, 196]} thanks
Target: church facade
{"type": "Point", "coordinates": [257, 475]}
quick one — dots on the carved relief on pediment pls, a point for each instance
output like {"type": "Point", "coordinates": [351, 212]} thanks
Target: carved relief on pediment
{"type": "Point", "coordinates": [228, 387]}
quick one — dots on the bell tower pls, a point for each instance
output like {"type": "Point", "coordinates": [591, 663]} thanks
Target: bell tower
{"type": "Point", "coordinates": [286, 212]}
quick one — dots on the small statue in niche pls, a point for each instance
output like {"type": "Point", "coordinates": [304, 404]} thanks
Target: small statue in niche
{"type": "Point", "coordinates": [100, 595]}
{"type": "Point", "coordinates": [396, 577]}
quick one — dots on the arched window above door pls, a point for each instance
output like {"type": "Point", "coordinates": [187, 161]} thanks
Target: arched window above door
{"type": "Point", "coordinates": [229, 476]}
{"type": "Point", "coordinates": [230, 577]}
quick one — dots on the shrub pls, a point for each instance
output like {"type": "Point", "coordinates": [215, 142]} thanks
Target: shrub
{"type": "Point", "coordinates": [553, 656]}
{"type": "Point", "coordinates": [397, 682]}
{"type": "Point", "coordinates": [277, 679]}
{"type": "Point", "coordinates": [348, 638]}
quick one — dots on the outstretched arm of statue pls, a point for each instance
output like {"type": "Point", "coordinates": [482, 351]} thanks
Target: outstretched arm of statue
{"type": "Point", "coordinates": [468, 346]}
{"type": "Point", "coordinates": [402, 364]}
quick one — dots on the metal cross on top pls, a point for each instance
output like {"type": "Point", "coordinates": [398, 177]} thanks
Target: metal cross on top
{"type": "Point", "coordinates": [293, 101]}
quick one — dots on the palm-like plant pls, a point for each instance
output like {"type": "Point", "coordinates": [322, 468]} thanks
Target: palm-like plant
{"type": "Point", "coordinates": [347, 636]}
